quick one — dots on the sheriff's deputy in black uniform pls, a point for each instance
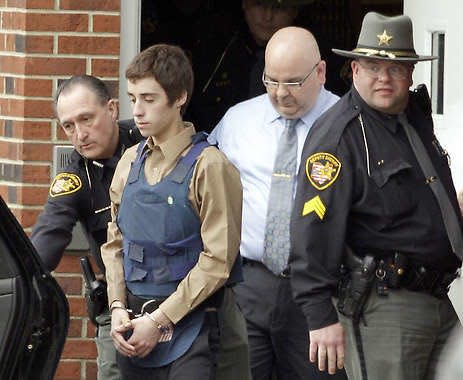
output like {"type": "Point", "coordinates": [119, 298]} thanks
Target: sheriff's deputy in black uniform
{"type": "Point", "coordinates": [235, 72]}
{"type": "Point", "coordinates": [376, 222]}
{"type": "Point", "coordinates": [88, 116]}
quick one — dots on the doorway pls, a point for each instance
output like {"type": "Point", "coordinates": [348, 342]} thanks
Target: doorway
{"type": "Point", "coordinates": [228, 71]}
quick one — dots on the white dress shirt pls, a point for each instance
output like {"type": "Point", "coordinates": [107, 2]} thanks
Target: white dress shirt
{"type": "Point", "coordinates": [248, 134]}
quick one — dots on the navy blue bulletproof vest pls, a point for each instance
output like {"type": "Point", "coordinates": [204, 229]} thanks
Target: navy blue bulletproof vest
{"type": "Point", "coordinates": [162, 242]}
{"type": "Point", "coordinates": [160, 229]}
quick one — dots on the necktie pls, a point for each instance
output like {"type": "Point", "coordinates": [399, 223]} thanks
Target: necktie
{"type": "Point", "coordinates": [452, 225]}
{"type": "Point", "coordinates": [276, 239]}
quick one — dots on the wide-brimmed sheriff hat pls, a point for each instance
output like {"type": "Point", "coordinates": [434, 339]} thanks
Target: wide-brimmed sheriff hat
{"type": "Point", "coordinates": [387, 38]}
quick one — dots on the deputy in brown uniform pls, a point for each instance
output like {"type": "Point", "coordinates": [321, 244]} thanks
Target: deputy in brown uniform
{"type": "Point", "coordinates": [376, 221]}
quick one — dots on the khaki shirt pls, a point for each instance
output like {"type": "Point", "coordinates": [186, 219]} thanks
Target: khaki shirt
{"type": "Point", "coordinates": [215, 194]}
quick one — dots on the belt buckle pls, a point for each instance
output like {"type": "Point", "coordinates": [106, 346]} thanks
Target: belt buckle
{"type": "Point", "coordinates": [285, 273]}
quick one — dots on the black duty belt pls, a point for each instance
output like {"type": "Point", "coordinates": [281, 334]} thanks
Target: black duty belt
{"type": "Point", "coordinates": [396, 270]}
{"type": "Point", "coordinates": [285, 273]}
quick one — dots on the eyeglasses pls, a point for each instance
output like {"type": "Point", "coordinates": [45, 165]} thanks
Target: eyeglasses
{"type": "Point", "coordinates": [395, 71]}
{"type": "Point", "coordinates": [273, 85]}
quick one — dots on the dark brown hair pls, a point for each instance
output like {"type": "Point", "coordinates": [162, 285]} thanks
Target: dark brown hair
{"type": "Point", "coordinates": [169, 66]}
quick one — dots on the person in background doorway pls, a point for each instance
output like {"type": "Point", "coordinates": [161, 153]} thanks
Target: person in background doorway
{"type": "Point", "coordinates": [228, 69]}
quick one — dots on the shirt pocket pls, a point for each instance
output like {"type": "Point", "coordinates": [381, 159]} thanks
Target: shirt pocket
{"type": "Point", "coordinates": [393, 189]}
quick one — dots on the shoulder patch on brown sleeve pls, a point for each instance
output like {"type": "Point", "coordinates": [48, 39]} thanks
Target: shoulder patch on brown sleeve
{"type": "Point", "coordinates": [64, 184]}
{"type": "Point", "coordinates": [322, 169]}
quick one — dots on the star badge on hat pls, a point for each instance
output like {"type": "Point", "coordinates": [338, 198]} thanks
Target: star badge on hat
{"type": "Point", "coordinates": [386, 38]}
{"type": "Point", "coordinates": [383, 39]}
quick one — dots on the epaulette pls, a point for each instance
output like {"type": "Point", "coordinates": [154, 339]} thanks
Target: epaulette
{"type": "Point", "coordinates": [332, 123]}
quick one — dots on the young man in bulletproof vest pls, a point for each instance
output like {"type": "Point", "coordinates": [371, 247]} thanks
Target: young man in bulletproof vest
{"type": "Point", "coordinates": [174, 237]}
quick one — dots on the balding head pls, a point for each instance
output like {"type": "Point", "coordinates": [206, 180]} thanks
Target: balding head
{"type": "Point", "coordinates": [291, 54]}
{"type": "Point", "coordinates": [292, 42]}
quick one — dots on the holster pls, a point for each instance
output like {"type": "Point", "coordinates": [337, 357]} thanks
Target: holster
{"type": "Point", "coordinates": [357, 278]}
{"type": "Point", "coordinates": [95, 291]}
{"type": "Point", "coordinates": [97, 301]}
{"type": "Point", "coordinates": [386, 271]}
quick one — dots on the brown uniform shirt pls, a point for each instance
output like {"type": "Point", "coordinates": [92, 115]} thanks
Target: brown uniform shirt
{"type": "Point", "coordinates": [215, 194]}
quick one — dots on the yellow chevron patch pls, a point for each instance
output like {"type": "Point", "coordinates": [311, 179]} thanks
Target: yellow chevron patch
{"type": "Point", "coordinates": [314, 205]}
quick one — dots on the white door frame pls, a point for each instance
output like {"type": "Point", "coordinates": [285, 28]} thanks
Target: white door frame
{"type": "Point", "coordinates": [129, 47]}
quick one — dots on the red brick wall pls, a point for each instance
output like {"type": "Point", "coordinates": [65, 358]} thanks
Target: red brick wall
{"type": "Point", "coordinates": [41, 42]}
{"type": "Point", "coordinates": [78, 357]}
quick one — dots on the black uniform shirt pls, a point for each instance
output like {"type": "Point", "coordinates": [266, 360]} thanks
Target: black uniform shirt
{"type": "Point", "coordinates": [226, 72]}
{"type": "Point", "coordinates": [338, 202]}
{"type": "Point", "coordinates": [80, 193]}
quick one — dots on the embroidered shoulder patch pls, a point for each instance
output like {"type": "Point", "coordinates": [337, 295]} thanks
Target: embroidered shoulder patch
{"type": "Point", "coordinates": [322, 169]}
{"type": "Point", "coordinates": [64, 184]}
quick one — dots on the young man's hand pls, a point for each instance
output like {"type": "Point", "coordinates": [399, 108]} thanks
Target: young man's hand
{"type": "Point", "coordinates": [145, 336]}
{"type": "Point", "coordinates": [120, 323]}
